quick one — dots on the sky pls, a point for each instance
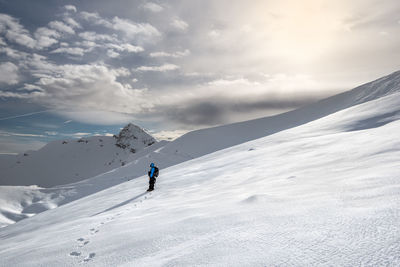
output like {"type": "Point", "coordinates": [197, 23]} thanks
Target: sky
{"type": "Point", "coordinates": [70, 69]}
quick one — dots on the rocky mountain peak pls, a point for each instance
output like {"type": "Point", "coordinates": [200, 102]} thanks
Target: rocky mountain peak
{"type": "Point", "coordinates": [134, 138]}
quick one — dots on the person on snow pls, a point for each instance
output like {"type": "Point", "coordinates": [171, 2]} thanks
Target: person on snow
{"type": "Point", "coordinates": [153, 174]}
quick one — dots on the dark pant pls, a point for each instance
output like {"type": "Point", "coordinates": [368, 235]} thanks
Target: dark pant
{"type": "Point", "coordinates": [152, 181]}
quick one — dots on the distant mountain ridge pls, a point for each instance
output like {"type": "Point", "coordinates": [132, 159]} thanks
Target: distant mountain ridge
{"type": "Point", "coordinates": [68, 161]}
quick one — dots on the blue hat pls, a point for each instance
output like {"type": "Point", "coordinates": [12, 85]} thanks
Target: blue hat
{"type": "Point", "coordinates": [152, 165]}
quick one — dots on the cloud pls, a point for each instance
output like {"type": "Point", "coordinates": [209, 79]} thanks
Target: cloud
{"type": "Point", "coordinates": [23, 115]}
{"type": "Point", "coordinates": [179, 24]}
{"type": "Point", "coordinates": [232, 99]}
{"type": "Point", "coordinates": [162, 68]}
{"type": "Point", "coordinates": [51, 133]}
{"type": "Point", "coordinates": [168, 135]}
{"type": "Point", "coordinates": [81, 134]}
{"type": "Point", "coordinates": [8, 73]}
{"type": "Point", "coordinates": [46, 37]}
{"type": "Point", "coordinates": [15, 32]}
{"type": "Point", "coordinates": [97, 116]}
{"type": "Point", "coordinates": [95, 19]}
{"type": "Point", "coordinates": [132, 29]}
{"type": "Point", "coordinates": [111, 53]}
{"type": "Point", "coordinates": [195, 113]}
{"type": "Point", "coordinates": [2, 42]}
{"type": "Point", "coordinates": [86, 87]}
{"type": "Point", "coordinates": [14, 54]}
{"type": "Point", "coordinates": [94, 36]}
{"type": "Point", "coordinates": [212, 74]}
{"type": "Point", "coordinates": [239, 81]}
{"type": "Point", "coordinates": [153, 7]}
{"type": "Point", "coordinates": [178, 54]}
{"type": "Point", "coordinates": [126, 47]}
{"type": "Point", "coordinates": [209, 112]}
{"type": "Point", "coordinates": [71, 22]}
{"type": "Point", "coordinates": [31, 87]}
{"type": "Point", "coordinates": [18, 95]}
{"type": "Point", "coordinates": [70, 8]}
{"type": "Point", "coordinates": [4, 133]}
{"type": "Point", "coordinates": [75, 51]}
{"type": "Point", "coordinates": [61, 27]}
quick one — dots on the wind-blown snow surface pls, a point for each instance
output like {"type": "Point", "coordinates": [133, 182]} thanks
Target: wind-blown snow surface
{"type": "Point", "coordinates": [324, 193]}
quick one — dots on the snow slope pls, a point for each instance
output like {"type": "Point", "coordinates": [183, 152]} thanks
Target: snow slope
{"type": "Point", "coordinates": [67, 161]}
{"type": "Point", "coordinates": [20, 202]}
{"type": "Point", "coordinates": [324, 193]}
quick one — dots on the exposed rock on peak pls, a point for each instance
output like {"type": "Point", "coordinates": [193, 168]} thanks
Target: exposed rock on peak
{"type": "Point", "coordinates": [134, 138]}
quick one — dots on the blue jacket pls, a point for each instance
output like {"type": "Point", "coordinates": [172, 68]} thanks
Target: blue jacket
{"type": "Point", "coordinates": [151, 172]}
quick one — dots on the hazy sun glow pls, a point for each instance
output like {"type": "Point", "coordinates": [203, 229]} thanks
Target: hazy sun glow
{"type": "Point", "coordinates": [303, 30]}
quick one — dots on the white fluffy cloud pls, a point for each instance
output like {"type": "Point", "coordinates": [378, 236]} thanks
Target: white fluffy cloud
{"type": "Point", "coordinates": [94, 36]}
{"type": "Point", "coordinates": [179, 24]}
{"type": "Point", "coordinates": [95, 19]}
{"type": "Point", "coordinates": [75, 51]}
{"type": "Point", "coordinates": [112, 54]}
{"type": "Point", "coordinates": [71, 22]}
{"type": "Point", "coordinates": [132, 29]}
{"type": "Point", "coordinates": [15, 32]}
{"type": "Point", "coordinates": [46, 37]}
{"type": "Point", "coordinates": [70, 8]}
{"type": "Point", "coordinates": [8, 73]}
{"type": "Point", "coordinates": [14, 54]}
{"type": "Point", "coordinates": [89, 86]}
{"type": "Point", "coordinates": [61, 27]}
{"type": "Point", "coordinates": [153, 7]}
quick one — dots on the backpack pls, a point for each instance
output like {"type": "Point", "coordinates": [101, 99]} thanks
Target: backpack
{"type": "Point", "coordinates": [155, 171]}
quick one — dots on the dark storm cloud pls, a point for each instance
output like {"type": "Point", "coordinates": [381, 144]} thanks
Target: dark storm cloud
{"type": "Point", "coordinates": [215, 112]}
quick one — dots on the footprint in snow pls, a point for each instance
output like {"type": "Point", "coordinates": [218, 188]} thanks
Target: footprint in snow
{"type": "Point", "coordinates": [94, 231]}
{"type": "Point", "coordinates": [75, 254]}
{"type": "Point", "coordinates": [89, 257]}
{"type": "Point", "coordinates": [82, 242]}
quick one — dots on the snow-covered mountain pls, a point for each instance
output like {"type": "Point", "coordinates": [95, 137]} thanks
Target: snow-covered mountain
{"type": "Point", "coordinates": [67, 161]}
{"type": "Point", "coordinates": [33, 200]}
{"type": "Point", "coordinates": [323, 193]}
